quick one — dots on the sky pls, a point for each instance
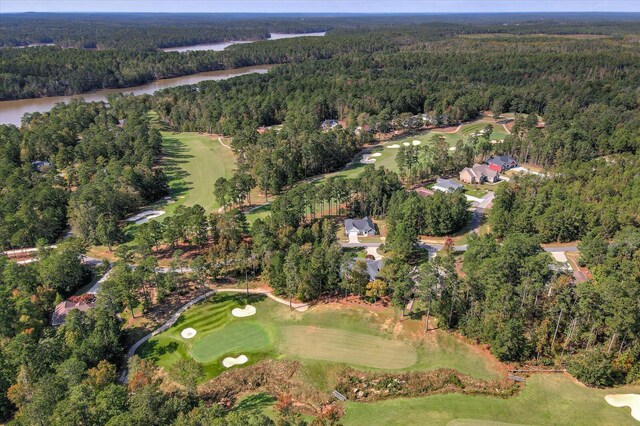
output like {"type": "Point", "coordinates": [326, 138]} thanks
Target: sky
{"type": "Point", "coordinates": [323, 6]}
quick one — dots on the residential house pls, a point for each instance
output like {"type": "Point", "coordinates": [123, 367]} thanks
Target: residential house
{"type": "Point", "coordinates": [479, 173]}
{"type": "Point", "coordinates": [446, 185]}
{"type": "Point", "coordinates": [500, 163]}
{"type": "Point", "coordinates": [329, 124]}
{"type": "Point", "coordinates": [82, 303]}
{"type": "Point", "coordinates": [41, 166]}
{"type": "Point", "coordinates": [374, 267]}
{"type": "Point", "coordinates": [359, 227]}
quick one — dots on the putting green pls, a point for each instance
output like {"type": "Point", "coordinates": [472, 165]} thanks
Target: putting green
{"type": "Point", "coordinates": [235, 338]}
{"type": "Point", "coordinates": [347, 347]}
{"type": "Point", "coordinates": [322, 337]}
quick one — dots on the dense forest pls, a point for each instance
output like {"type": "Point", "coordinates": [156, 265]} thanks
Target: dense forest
{"type": "Point", "coordinates": [149, 30]}
{"type": "Point", "coordinates": [582, 197]}
{"type": "Point", "coordinates": [509, 298]}
{"type": "Point", "coordinates": [124, 53]}
{"type": "Point", "coordinates": [99, 165]}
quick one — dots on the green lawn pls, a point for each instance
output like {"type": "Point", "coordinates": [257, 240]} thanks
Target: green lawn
{"type": "Point", "coordinates": [356, 336]}
{"type": "Point", "coordinates": [546, 400]}
{"type": "Point", "coordinates": [259, 213]}
{"type": "Point", "coordinates": [193, 162]}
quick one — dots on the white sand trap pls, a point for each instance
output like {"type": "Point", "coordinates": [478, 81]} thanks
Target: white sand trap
{"type": "Point", "coordinates": [188, 333]}
{"type": "Point", "coordinates": [394, 146]}
{"type": "Point", "coordinates": [368, 160]}
{"type": "Point", "coordinates": [406, 143]}
{"type": "Point", "coordinates": [630, 400]}
{"type": "Point", "coordinates": [229, 361]}
{"type": "Point", "coordinates": [247, 311]}
{"type": "Point", "coordinates": [416, 142]}
{"type": "Point", "coordinates": [376, 154]}
{"type": "Point", "coordinates": [453, 148]}
{"type": "Point", "coordinates": [145, 216]}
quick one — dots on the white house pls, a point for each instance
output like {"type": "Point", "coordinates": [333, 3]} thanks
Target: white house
{"type": "Point", "coordinates": [446, 185]}
{"type": "Point", "coordinates": [360, 227]}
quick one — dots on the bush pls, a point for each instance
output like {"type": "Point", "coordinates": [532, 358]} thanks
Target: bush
{"type": "Point", "coordinates": [593, 368]}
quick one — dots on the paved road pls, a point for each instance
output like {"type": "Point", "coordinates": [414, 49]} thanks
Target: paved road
{"type": "Point", "coordinates": [479, 208]}
{"type": "Point", "coordinates": [462, 247]}
{"type": "Point", "coordinates": [476, 220]}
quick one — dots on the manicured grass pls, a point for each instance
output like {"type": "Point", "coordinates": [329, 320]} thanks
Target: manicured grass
{"type": "Point", "coordinates": [324, 337]}
{"type": "Point", "coordinates": [348, 347]}
{"type": "Point", "coordinates": [474, 191]}
{"type": "Point", "coordinates": [546, 400]}
{"type": "Point", "coordinates": [193, 162]}
{"type": "Point", "coordinates": [237, 337]}
{"type": "Point", "coordinates": [219, 334]}
{"type": "Point", "coordinates": [259, 213]}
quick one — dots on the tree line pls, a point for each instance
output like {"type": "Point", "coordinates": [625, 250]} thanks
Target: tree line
{"type": "Point", "coordinates": [600, 195]}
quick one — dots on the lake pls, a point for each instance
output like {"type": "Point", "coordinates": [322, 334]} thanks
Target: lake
{"type": "Point", "coordinates": [223, 45]}
{"type": "Point", "coordinates": [12, 111]}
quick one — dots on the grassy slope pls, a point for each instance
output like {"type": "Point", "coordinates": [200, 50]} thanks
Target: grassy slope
{"type": "Point", "coordinates": [545, 400]}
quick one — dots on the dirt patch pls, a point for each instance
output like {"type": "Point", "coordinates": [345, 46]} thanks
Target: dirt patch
{"type": "Point", "coordinates": [271, 377]}
{"type": "Point", "coordinates": [368, 387]}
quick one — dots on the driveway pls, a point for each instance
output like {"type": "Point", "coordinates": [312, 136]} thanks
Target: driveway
{"type": "Point", "coordinates": [373, 251]}
{"type": "Point", "coordinates": [353, 238]}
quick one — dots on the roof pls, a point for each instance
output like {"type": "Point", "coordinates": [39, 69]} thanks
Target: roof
{"type": "Point", "coordinates": [374, 267]}
{"type": "Point", "coordinates": [500, 160]}
{"type": "Point", "coordinates": [363, 225]}
{"type": "Point", "coordinates": [330, 123]}
{"type": "Point", "coordinates": [478, 170]}
{"type": "Point", "coordinates": [63, 308]}
{"type": "Point", "coordinates": [39, 165]}
{"type": "Point", "coordinates": [447, 184]}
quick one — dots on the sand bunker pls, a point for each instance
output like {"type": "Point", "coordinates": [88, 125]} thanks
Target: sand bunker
{"type": "Point", "coordinates": [394, 146]}
{"type": "Point", "coordinates": [453, 148]}
{"type": "Point", "coordinates": [416, 142]}
{"type": "Point", "coordinates": [406, 143]}
{"type": "Point", "coordinates": [145, 216]}
{"type": "Point", "coordinates": [368, 160]}
{"type": "Point", "coordinates": [376, 154]}
{"type": "Point", "coordinates": [231, 361]}
{"type": "Point", "coordinates": [188, 333]}
{"type": "Point", "coordinates": [630, 400]}
{"type": "Point", "coordinates": [247, 311]}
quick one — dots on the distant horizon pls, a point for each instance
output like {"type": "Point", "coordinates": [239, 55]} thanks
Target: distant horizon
{"type": "Point", "coordinates": [330, 14]}
{"type": "Point", "coordinates": [352, 7]}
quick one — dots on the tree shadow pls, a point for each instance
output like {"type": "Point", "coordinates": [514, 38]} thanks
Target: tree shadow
{"type": "Point", "coordinates": [256, 402]}
{"type": "Point", "coordinates": [175, 155]}
{"type": "Point", "coordinates": [153, 351]}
